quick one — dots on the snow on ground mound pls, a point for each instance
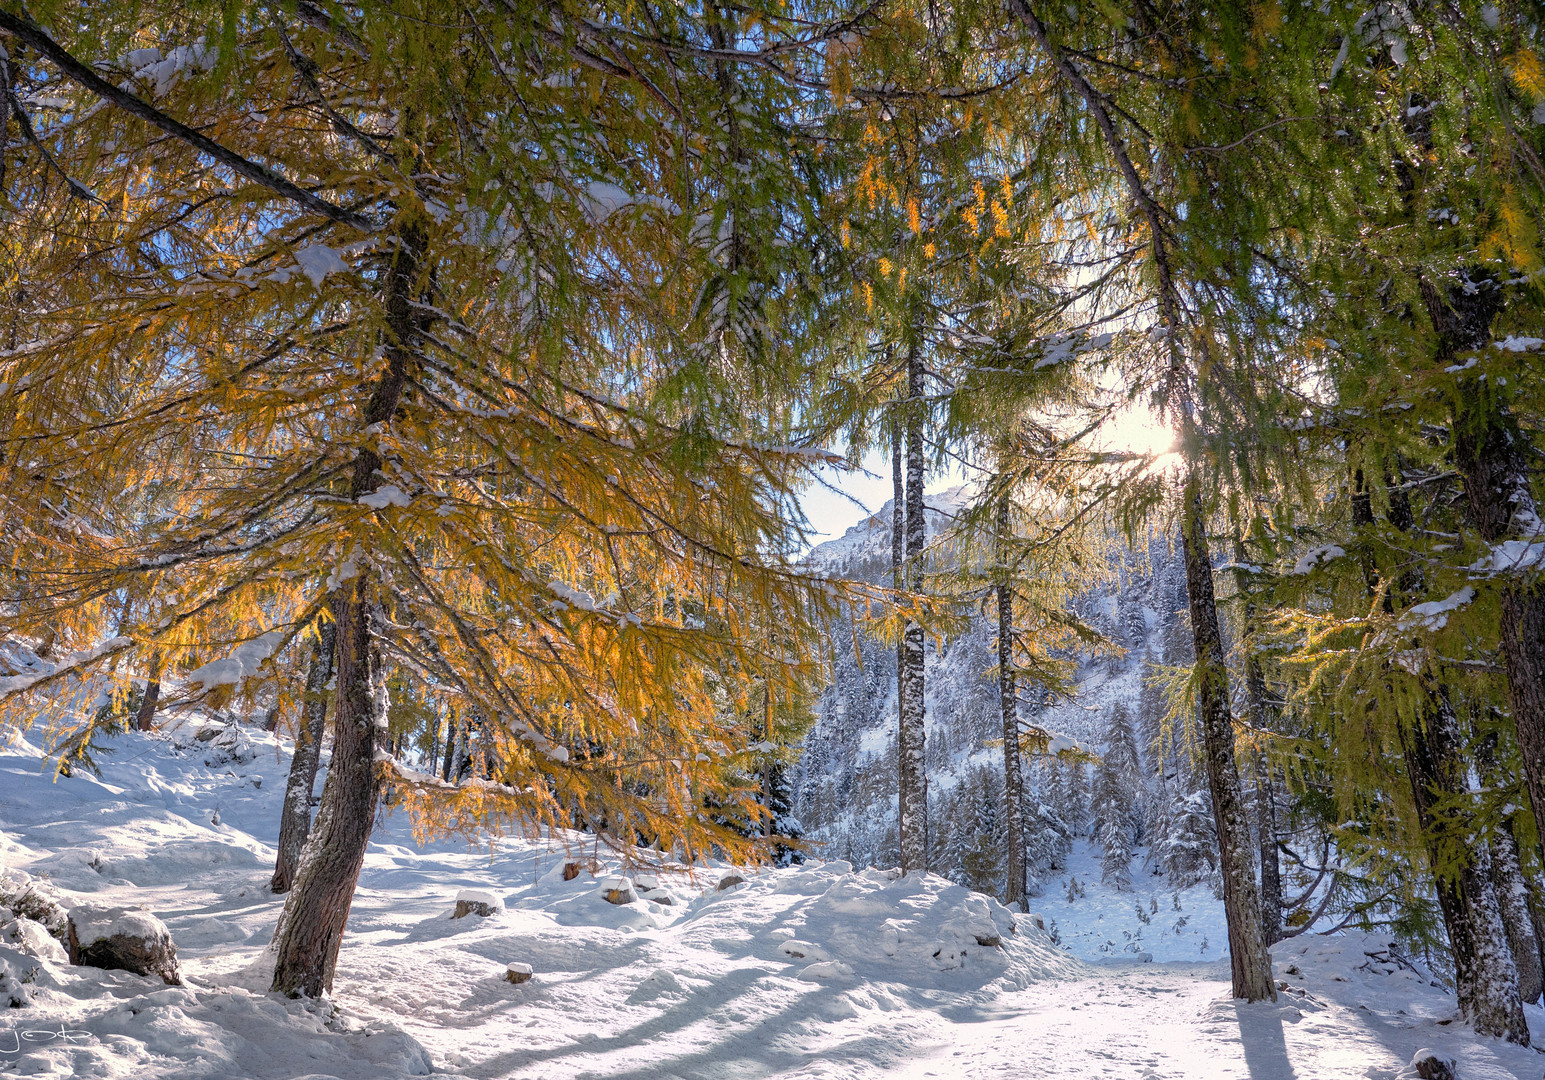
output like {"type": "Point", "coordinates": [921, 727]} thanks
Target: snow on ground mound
{"type": "Point", "coordinates": [877, 926]}
{"type": "Point", "coordinates": [821, 972]}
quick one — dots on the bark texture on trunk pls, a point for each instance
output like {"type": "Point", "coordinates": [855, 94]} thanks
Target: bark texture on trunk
{"type": "Point", "coordinates": [1485, 977]}
{"type": "Point", "coordinates": [295, 818]}
{"type": "Point", "coordinates": [147, 706]}
{"type": "Point", "coordinates": [310, 930]}
{"type": "Point", "coordinates": [1248, 955]}
{"type": "Point", "coordinates": [1271, 862]}
{"type": "Point", "coordinates": [1491, 455]}
{"type": "Point", "coordinates": [1486, 981]}
{"type": "Point", "coordinates": [1008, 704]}
{"type": "Point", "coordinates": [318, 906]}
{"type": "Point", "coordinates": [913, 785]}
{"type": "Point", "coordinates": [898, 583]}
{"type": "Point", "coordinates": [1509, 882]}
{"type": "Point", "coordinates": [1263, 717]}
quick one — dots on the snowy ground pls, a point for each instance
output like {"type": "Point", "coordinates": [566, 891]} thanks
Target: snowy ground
{"type": "Point", "coordinates": [1103, 924]}
{"type": "Point", "coordinates": [816, 972]}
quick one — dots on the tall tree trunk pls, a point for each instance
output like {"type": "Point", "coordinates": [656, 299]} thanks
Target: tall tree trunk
{"type": "Point", "coordinates": [1263, 717]}
{"type": "Point", "coordinates": [1248, 955]}
{"type": "Point", "coordinates": [1507, 880]}
{"type": "Point", "coordinates": [1013, 775]}
{"type": "Point", "coordinates": [318, 906]}
{"type": "Point", "coordinates": [1485, 978]}
{"type": "Point", "coordinates": [147, 705]}
{"type": "Point", "coordinates": [452, 735]}
{"type": "Point", "coordinates": [434, 744]}
{"type": "Point", "coordinates": [1484, 973]}
{"type": "Point", "coordinates": [295, 818]}
{"type": "Point", "coordinates": [1491, 454]}
{"type": "Point", "coordinates": [898, 583]}
{"type": "Point", "coordinates": [913, 787]}
{"type": "Point", "coordinates": [1271, 862]}
{"type": "Point", "coordinates": [310, 930]}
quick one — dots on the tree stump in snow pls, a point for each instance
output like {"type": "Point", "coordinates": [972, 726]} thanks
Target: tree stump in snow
{"type": "Point", "coordinates": [729, 881]}
{"type": "Point", "coordinates": [477, 902]}
{"type": "Point", "coordinates": [121, 940]}
{"type": "Point", "coordinates": [618, 890]}
{"type": "Point", "coordinates": [517, 973]}
{"type": "Point", "coordinates": [574, 868]}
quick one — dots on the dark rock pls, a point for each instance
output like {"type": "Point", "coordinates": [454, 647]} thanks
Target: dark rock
{"type": "Point", "coordinates": [123, 940]}
{"type": "Point", "coordinates": [1430, 1066]}
{"type": "Point", "coordinates": [729, 881]}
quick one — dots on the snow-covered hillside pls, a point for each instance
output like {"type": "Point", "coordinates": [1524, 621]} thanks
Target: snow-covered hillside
{"type": "Point", "coordinates": [845, 787]}
{"type": "Point", "coordinates": [821, 971]}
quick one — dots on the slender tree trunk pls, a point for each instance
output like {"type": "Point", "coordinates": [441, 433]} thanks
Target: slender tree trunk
{"type": "Point", "coordinates": [147, 705]}
{"type": "Point", "coordinates": [434, 744]}
{"type": "Point", "coordinates": [452, 735]}
{"type": "Point", "coordinates": [310, 930]}
{"type": "Point", "coordinates": [913, 787]}
{"type": "Point", "coordinates": [295, 818]}
{"type": "Point", "coordinates": [1271, 863]}
{"type": "Point", "coordinates": [1248, 955]}
{"type": "Point", "coordinates": [1013, 775]}
{"type": "Point", "coordinates": [1263, 717]}
{"type": "Point", "coordinates": [1491, 454]}
{"type": "Point", "coordinates": [898, 583]}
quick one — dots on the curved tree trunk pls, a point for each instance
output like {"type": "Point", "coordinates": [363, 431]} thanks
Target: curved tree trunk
{"type": "Point", "coordinates": [912, 820]}
{"type": "Point", "coordinates": [311, 927]}
{"type": "Point", "coordinates": [318, 906]}
{"type": "Point", "coordinates": [295, 819]}
{"type": "Point", "coordinates": [1248, 955]}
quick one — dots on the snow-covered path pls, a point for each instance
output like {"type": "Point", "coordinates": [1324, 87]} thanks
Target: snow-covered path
{"type": "Point", "coordinates": [821, 972]}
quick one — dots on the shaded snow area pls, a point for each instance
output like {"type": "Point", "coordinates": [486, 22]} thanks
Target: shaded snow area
{"type": "Point", "coordinates": [817, 971]}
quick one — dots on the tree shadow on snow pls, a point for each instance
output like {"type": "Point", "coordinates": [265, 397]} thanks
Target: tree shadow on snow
{"type": "Point", "coordinates": [1263, 1041]}
{"type": "Point", "coordinates": [768, 1045]}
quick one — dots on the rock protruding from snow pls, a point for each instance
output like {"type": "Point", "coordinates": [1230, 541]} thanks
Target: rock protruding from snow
{"type": "Point", "coordinates": [1431, 1065]}
{"type": "Point", "coordinates": [477, 902]}
{"type": "Point", "coordinates": [729, 881]}
{"type": "Point", "coordinates": [123, 940]}
{"type": "Point", "coordinates": [517, 973]}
